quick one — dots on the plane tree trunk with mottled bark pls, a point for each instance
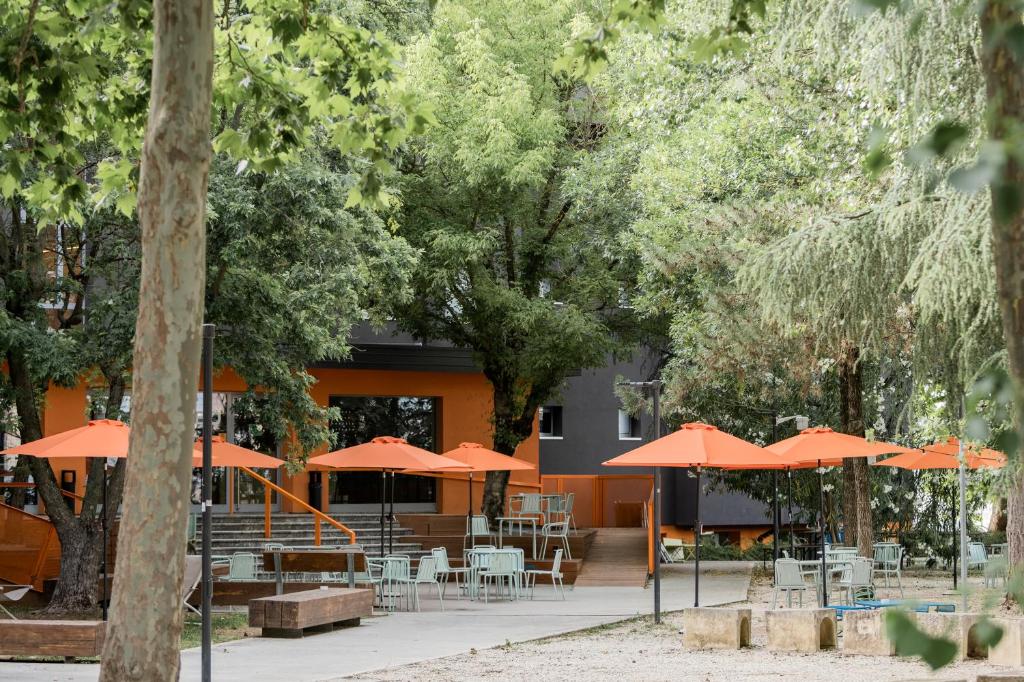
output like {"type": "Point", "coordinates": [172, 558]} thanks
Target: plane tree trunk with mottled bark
{"type": "Point", "coordinates": [1004, 77]}
{"type": "Point", "coordinates": [146, 614]}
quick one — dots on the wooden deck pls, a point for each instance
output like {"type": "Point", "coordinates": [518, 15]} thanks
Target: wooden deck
{"type": "Point", "coordinates": [618, 556]}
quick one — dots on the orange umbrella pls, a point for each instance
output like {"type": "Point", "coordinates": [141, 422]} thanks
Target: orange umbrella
{"type": "Point", "coordinates": [699, 445]}
{"type": "Point", "coordinates": [945, 455]}
{"type": "Point", "coordinates": [475, 458]}
{"type": "Point", "coordinates": [99, 438]}
{"type": "Point", "coordinates": [387, 453]}
{"type": "Point", "coordinates": [951, 447]}
{"type": "Point", "coordinates": [821, 446]}
{"type": "Point", "coordinates": [230, 455]}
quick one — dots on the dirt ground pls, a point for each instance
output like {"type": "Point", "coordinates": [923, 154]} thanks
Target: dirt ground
{"type": "Point", "coordinates": [640, 650]}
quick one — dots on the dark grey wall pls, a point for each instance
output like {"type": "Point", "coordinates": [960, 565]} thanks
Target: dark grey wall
{"type": "Point", "coordinates": [590, 435]}
{"type": "Point", "coordinates": [590, 421]}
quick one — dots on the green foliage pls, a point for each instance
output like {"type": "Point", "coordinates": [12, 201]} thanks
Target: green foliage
{"type": "Point", "coordinates": [937, 652]}
{"type": "Point", "coordinates": [516, 258]}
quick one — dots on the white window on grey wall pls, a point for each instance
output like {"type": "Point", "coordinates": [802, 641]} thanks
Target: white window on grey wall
{"type": "Point", "coordinates": [551, 421]}
{"type": "Point", "coordinates": [629, 426]}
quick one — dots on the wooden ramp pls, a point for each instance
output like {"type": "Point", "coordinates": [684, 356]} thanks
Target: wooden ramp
{"type": "Point", "coordinates": [617, 557]}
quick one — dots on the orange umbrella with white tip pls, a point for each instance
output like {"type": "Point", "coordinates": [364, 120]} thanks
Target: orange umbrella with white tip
{"type": "Point", "coordinates": [699, 445]}
{"type": "Point", "coordinates": [386, 453]}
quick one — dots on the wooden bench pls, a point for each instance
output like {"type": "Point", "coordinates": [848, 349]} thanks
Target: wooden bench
{"type": "Point", "coordinates": [67, 638]}
{"type": "Point", "coordinates": [291, 615]}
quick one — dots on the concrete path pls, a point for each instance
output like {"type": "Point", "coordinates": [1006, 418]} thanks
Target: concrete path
{"type": "Point", "coordinates": [403, 638]}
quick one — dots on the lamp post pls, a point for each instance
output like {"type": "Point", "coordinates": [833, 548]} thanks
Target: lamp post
{"type": "Point", "coordinates": [655, 388]}
{"type": "Point", "coordinates": [802, 423]}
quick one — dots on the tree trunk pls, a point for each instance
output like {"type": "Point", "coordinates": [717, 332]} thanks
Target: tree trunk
{"type": "Point", "coordinates": [851, 386]}
{"type": "Point", "coordinates": [146, 614]}
{"type": "Point", "coordinates": [510, 429]}
{"type": "Point", "coordinates": [1004, 80]}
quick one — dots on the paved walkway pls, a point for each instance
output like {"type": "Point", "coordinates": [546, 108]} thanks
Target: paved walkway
{"type": "Point", "coordinates": [403, 638]}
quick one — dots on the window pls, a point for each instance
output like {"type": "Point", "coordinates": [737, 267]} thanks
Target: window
{"type": "Point", "coordinates": [551, 421]}
{"type": "Point", "coordinates": [629, 426]}
{"type": "Point", "coordinates": [360, 420]}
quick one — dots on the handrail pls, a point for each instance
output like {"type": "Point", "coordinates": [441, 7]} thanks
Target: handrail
{"type": "Point", "coordinates": [32, 484]}
{"type": "Point", "coordinates": [317, 514]}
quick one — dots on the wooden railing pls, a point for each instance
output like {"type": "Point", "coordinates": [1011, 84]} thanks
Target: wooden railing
{"type": "Point", "coordinates": [270, 486]}
{"type": "Point", "coordinates": [31, 549]}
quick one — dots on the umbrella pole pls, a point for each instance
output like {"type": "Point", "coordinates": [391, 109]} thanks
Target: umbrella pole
{"type": "Point", "coordinates": [469, 517]}
{"type": "Point", "coordinates": [656, 501]}
{"type": "Point", "coordinates": [383, 495]}
{"type": "Point", "coordinates": [821, 534]}
{"type": "Point", "coordinates": [952, 535]}
{"type": "Point", "coordinates": [104, 539]}
{"type": "Point", "coordinates": [776, 513]}
{"type": "Point", "coordinates": [391, 517]}
{"type": "Point", "coordinates": [963, 522]}
{"type": "Point", "coordinates": [792, 538]}
{"type": "Point", "coordinates": [696, 552]}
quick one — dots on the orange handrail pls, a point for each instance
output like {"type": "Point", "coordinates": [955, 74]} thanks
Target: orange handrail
{"type": "Point", "coordinates": [32, 484]}
{"type": "Point", "coordinates": [317, 514]}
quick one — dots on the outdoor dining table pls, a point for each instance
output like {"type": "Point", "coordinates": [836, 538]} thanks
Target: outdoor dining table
{"type": "Point", "coordinates": [347, 561]}
{"type": "Point", "coordinates": [835, 565]}
{"type": "Point", "coordinates": [517, 520]}
{"type": "Point", "coordinates": [475, 558]}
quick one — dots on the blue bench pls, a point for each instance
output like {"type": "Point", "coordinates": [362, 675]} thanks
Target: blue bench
{"type": "Point", "coordinates": [918, 606]}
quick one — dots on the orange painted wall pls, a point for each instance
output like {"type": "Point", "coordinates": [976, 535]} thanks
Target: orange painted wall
{"type": "Point", "coordinates": [465, 416]}
{"type": "Point", "coordinates": [747, 535]}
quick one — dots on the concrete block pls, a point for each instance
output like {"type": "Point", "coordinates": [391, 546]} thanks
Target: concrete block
{"type": "Point", "coordinates": [804, 630]}
{"type": "Point", "coordinates": [864, 634]}
{"type": "Point", "coordinates": [716, 628]}
{"type": "Point", "coordinates": [1010, 649]}
{"type": "Point", "coordinates": [1008, 677]}
{"type": "Point", "coordinates": [956, 627]}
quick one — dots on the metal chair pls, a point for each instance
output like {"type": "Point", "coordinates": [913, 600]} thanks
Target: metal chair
{"type": "Point", "coordinates": [530, 507]}
{"type": "Point", "coordinates": [444, 569]}
{"type": "Point", "coordinates": [502, 568]}
{"type": "Point", "coordinates": [558, 531]}
{"type": "Point", "coordinates": [788, 579]}
{"type": "Point", "coordinates": [477, 528]}
{"type": "Point", "coordinates": [856, 580]}
{"type": "Point", "coordinates": [555, 574]}
{"type": "Point", "coordinates": [426, 574]}
{"type": "Point", "coordinates": [242, 567]}
{"type": "Point", "coordinates": [977, 557]}
{"type": "Point", "coordinates": [12, 593]}
{"type": "Point", "coordinates": [888, 562]}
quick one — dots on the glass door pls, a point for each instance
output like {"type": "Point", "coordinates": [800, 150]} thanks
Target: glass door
{"type": "Point", "coordinates": [247, 431]}
{"type": "Point", "coordinates": [219, 493]}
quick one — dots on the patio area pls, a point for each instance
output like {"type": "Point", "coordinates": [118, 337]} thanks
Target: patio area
{"type": "Point", "coordinates": [404, 638]}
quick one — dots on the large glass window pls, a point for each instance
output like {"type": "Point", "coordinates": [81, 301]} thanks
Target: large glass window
{"type": "Point", "coordinates": [362, 419]}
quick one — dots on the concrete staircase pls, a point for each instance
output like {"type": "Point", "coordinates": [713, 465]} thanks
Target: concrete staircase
{"type": "Point", "coordinates": [243, 532]}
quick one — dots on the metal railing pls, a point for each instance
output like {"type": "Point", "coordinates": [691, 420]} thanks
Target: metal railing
{"type": "Point", "coordinates": [319, 516]}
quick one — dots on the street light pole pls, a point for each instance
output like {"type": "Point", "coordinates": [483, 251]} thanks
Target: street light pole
{"type": "Point", "coordinates": [655, 388]}
{"type": "Point", "coordinates": [207, 501]}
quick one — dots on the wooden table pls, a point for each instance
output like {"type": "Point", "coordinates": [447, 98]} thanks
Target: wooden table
{"type": "Point", "coordinates": [350, 561]}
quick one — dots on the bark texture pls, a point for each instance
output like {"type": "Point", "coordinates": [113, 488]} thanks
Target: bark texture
{"type": "Point", "coordinates": [851, 386]}
{"type": "Point", "coordinates": [146, 614]}
{"type": "Point", "coordinates": [512, 425]}
{"type": "Point", "coordinates": [1004, 78]}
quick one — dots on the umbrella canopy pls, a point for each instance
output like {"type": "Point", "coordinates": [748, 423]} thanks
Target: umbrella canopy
{"type": "Point", "coordinates": [951, 447]}
{"type": "Point", "coordinates": [230, 455]}
{"type": "Point", "coordinates": [477, 458]}
{"type": "Point", "coordinates": [99, 438]}
{"type": "Point", "coordinates": [387, 452]}
{"type": "Point", "coordinates": [700, 445]}
{"type": "Point", "coordinates": [822, 444]}
{"type": "Point", "coordinates": [930, 459]}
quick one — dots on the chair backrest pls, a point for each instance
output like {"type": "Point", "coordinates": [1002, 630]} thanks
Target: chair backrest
{"type": "Point", "coordinates": [243, 566]}
{"type": "Point", "coordinates": [395, 568]}
{"type": "Point", "coordinates": [557, 529]}
{"type": "Point", "coordinates": [569, 500]}
{"type": "Point", "coordinates": [440, 555]}
{"type": "Point", "coordinates": [556, 503]}
{"type": "Point", "coordinates": [976, 553]}
{"type": "Point", "coordinates": [787, 573]}
{"type": "Point", "coordinates": [861, 571]}
{"type": "Point", "coordinates": [193, 574]}
{"type": "Point", "coordinates": [503, 562]}
{"type": "Point", "coordinates": [192, 524]}
{"type": "Point", "coordinates": [479, 526]}
{"type": "Point", "coordinates": [427, 570]}
{"type": "Point", "coordinates": [271, 546]}
{"type": "Point", "coordinates": [556, 564]}
{"type": "Point", "coordinates": [531, 504]}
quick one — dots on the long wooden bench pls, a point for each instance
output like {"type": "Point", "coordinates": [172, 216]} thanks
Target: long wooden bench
{"type": "Point", "coordinates": [292, 615]}
{"type": "Point", "coordinates": [67, 638]}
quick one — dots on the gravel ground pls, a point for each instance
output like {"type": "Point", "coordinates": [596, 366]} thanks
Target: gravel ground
{"type": "Point", "coordinates": [640, 650]}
